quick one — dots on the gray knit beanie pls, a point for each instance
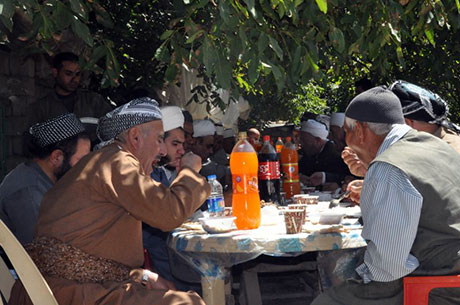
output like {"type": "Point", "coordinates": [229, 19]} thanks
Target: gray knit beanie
{"type": "Point", "coordinates": [376, 105]}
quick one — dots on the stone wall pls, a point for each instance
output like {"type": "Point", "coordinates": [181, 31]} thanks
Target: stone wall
{"type": "Point", "coordinates": [22, 79]}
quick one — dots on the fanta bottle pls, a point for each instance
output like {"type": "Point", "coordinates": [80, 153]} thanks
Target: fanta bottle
{"type": "Point", "coordinates": [290, 164]}
{"type": "Point", "coordinates": [246, 200]}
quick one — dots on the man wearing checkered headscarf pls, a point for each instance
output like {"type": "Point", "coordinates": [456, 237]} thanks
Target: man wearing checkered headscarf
{"type": "Point", "coordinates": [96, 211]}
{"type": "Point", "coordinates": [55, 146]}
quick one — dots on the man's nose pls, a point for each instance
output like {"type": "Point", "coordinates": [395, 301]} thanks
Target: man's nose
{"type": "Point", "coordinates": [163, 151]}
{"type": "Point", "coordinates": [181, 150]}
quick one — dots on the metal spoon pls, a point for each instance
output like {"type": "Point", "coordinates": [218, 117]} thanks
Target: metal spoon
{"type": "Point", "coordinates": [335, 202]}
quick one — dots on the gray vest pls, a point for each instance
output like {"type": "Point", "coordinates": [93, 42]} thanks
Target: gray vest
{"type": "Point", "coordinates": [433, 167]}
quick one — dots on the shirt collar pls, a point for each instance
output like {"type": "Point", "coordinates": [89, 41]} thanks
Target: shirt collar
{"type": "Point", "coordinates": [396, 133]}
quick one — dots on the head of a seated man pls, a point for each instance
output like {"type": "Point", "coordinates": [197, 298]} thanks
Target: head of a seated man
{"type": "Point", "coordinates": [137, 126]}
{"type": "Point", "coordinates": [60, 143]}
{"type": "Point", "coordinates": [313, 137]}
{"type": "Point", "coordinates": [66, 72]}
{"type": "Point", "coordinates": [369, 117]}
{"type": "Point", "coordinates": [203, 138]}
{"type": "Point", "coordinates": [253, 136]}
{"type": "Point", "coordinates": [174, 138]}
{"type": "Point", "coordinates": [423, 110]}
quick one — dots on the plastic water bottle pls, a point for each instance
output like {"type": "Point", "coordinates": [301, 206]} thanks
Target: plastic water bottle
{"type": "Point", "coordinates": [215, 201]}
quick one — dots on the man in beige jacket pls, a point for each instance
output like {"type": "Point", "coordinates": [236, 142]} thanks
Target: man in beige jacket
{"type": "Point", "coordinates": [88, 240]}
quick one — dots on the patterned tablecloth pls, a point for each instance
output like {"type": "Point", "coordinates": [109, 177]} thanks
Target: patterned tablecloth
{"type": "Point", "coordinates": [211, 254]}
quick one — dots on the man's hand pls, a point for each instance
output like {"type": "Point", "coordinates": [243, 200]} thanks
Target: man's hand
{"type": "Point", "coordinates": [154, 281]}
{"type": "Point", "coordinates": [355, 165]}
{"type": "Point", "coordinates": [355, 187]}
{"type": "Point", "coordinates": [191, 160]}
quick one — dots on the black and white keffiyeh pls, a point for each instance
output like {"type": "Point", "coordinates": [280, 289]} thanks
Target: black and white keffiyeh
{"type": "Point", "coordinates": [138, 111]}
{"type": "Point", "coordinates": [56, 129]}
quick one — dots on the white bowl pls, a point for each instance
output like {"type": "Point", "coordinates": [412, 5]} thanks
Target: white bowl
{"type": "Point", "coordinates": [219, 224]}
{"type": "Point", "coordinates": [327, 218]}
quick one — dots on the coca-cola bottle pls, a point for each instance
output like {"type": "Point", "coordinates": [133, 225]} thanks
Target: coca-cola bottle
{"type": "Point", "coordinates": [269, 172]}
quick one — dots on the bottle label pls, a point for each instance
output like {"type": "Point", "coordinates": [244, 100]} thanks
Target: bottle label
{"type": "Point", "coordinates": [269, 170]}
{"type": "Point", "coordinates": [215, 205]}
{"type": "Point", "coordinates": [245, 184]}
{"type": "Point", "coordinates": [291, 172]}
{"type": "Point", "coordinates": [279, 148]}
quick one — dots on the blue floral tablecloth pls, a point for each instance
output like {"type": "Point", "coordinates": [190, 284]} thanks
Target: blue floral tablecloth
{"type": "Point", "coordinates": [212, 254]}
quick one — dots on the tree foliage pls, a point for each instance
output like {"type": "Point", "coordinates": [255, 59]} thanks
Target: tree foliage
{"type": "Point", "coordinates": [266, 50]}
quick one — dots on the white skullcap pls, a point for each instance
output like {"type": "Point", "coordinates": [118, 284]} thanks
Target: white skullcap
{"type": "Point", "coordinates": [219, 130]}
{"type": "Point", "coordinates": [229, 133]}
{"type": "Point", "coordinates": [172, 118]}
{"type": "Point", "coordinates": [325, 119]}
{"type": "Point", "coordinates": [337, 119]}
{"type": "Point", "coordinates": [315, 128]}
{"type": "Point", "coordinates": [203, 128]}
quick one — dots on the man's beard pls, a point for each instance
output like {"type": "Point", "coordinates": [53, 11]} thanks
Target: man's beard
{"type": "Point", "coordinates": [64, 168]}
{"type": "Point", "coordinates": [166, 162]}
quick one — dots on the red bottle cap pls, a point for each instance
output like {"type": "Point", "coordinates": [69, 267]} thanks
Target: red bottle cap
{"type": "Point", "coordinates": [266, 138]}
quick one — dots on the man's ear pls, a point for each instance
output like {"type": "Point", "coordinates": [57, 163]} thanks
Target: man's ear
{"type": "Point", "coordinates": [361, 130]}
{"type": "Point", "coordinates": [409, 122]}
{"type": "Point", "coordinates": [55, 72]}
{"type": "Point", "coordinates": [135, 137]}
{"type": "Point", "coordinates": [56, 158]}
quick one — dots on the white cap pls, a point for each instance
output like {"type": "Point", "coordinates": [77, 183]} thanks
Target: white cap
{"type": "Point", "coordinates": [315, 128]}
{"type": "Point", "coordinates": [203, 128]}
{"type": "Point", "coordinates": [172, 118]}
{"type": "Point", "coordinates": [325, 119]}
{"type": "Point", "coordinates": [337, 119]}
{"type": "Point", "coordinates": [229, 133]}
{"type": "Point", "coordinates": [219, 130]}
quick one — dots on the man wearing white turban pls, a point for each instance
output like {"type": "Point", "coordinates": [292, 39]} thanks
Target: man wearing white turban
{"type": "Point", "coordinates": [336, 132]}
{"type": "Point", "coordinates": [154, 239]}
{"type": "Point", "coordinates": [320, 162]}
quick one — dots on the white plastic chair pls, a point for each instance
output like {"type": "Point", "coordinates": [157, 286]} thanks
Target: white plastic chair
{"type": "Point", "coordinates": [34, 283]}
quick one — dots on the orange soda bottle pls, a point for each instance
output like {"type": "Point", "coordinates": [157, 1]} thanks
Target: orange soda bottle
{"type": "Point", "coordinates": [279, 145]}
{"type": "Point", "coordinates": [290, 164]}
{"type": "Point", "coordinates": [246, 201]}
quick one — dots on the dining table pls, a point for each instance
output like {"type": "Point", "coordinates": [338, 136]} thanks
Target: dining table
{"type": "Point", "coordinates": [212, 255]}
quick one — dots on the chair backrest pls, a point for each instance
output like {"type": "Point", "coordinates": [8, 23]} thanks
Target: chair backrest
{"type": "Point", "coordinates": [6, 280]}
{"type": "Point", "coordinates": [34, 283]}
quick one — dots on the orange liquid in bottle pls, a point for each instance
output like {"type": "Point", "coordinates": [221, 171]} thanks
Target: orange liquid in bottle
{"type": "Point", "coordinates": [246, 200]}
{"type": "Point", "coordinates": [290, 164]}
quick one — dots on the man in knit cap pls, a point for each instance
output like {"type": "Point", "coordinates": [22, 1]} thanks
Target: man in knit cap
{"type": "Point", "coordinates": [321, 162]}
{"type": "Point", "coordinates": [88, 239]}
{"type": "Point", "coordinates": [410, 204]}
{"type": "Point", "coordinates": [55, 145]}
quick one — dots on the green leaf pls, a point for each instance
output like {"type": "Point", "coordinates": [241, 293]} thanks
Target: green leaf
{"type": "Point", "coordinates": [311, 62]}
{"type": "Point", "coordinates": [430, 35]}
{"type": "Point", "coordinates": [322, 4]}
{"type": "Point", "coordinates": [251, 7]}
{"type": "Point", "coordinates": [166, 34]}
{"type": "Point", "coordinates": [171, 72]}
{"type": "Point", "coordinates": [102, 16]}
{"type": "Point", "coordinates": [96, 55]}
{"type": "Point", "coordinates": [399, 54]}
{"type": "Point", "coordinates": [337, 39]}
{"type": "Point", "coordinates": [79, 8]}
{"type": "Point", "coordinates": [457, 2]}
{"type": "Point", "coordinates": [223, 72]}
{"type": "Point", "coordinates": [63, 16]}
{"type": "Point", "coordinates": [253, 70]}
{"type": "Point", "coordinates": [279, 75]}
{"type": "Point", "coordinates": [262, 43]}
{"type": "Point", "coordinates": [276, 47]}
{"type": "Point", "coordinates": [6, 8]}
{"type": "Point", "coordinates": [244, 38]}
{"type": "Point", "coordinates": [194, 36]}
{"type": "Point", "coordinates": [82, 31]}
{"type": "Point", "coordinates": [162, 53]}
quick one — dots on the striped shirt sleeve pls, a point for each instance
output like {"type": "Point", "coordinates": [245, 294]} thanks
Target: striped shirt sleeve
{"type": "Point", "coordinates": [391, 209]}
